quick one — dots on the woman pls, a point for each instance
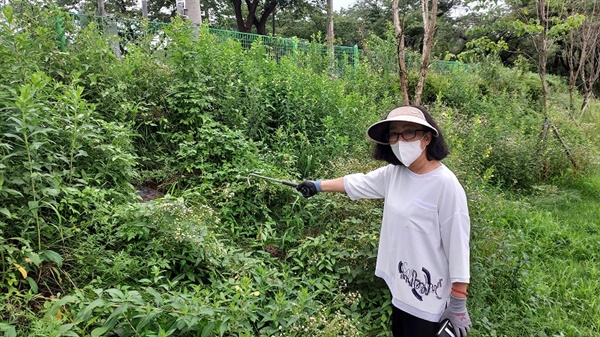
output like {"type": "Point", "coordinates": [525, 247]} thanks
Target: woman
{"type": "Point", "coordinates": [423, 251]}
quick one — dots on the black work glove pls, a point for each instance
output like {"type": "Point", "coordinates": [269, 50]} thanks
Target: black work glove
{"type": "Point", "coordinates": [308, 188]}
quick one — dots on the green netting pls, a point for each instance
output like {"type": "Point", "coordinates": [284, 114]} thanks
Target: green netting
{"type": "Point", "coordinates": [445, 66]}
{"type": "Point", "coordinates": [285, 46]}
{"type": "Point", "coordinates": [129, 29]}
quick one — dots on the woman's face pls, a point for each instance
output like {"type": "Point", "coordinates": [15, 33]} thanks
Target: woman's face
{"type": "Point", "coordinates": [406, 132]}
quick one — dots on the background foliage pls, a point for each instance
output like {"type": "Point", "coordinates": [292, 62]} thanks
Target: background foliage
{"type": "Point", "coordinates": [221, 254]}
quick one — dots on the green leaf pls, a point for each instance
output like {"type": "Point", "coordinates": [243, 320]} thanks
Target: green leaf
{"type": "Point", "coordinates": [36, 145]}
{"type": "Point", "coordinates": [207, 329]}
{"type": "Point", "coordinates": [113, 316]}
{"type": "Point", "coordinates": [11, 135]}
{"type": "Point", "coordinates": [100, 331]}
{"type": "Point", "coordinates": [9, 331]}
{"type": "Point", "coordinates": [81, 153]}
{"type": "Point", "coordinates": [6, 212]}
{"type": "Point", "coordinates": [223, 328]}
{"type": "Point", "coordinates": [157, 296]}
{"type": "Point", "coordinates": [32, 284]}
{"type": "Point", "coordinates": [85, 314]}
{"type": "Point", "coordinates": [115, 293]}
{"type": "Point", "coordinates": [52, 256]}
{"type": "Point", "coordinates": [50, 191]}
{"type": "Point", "coordinates": [35, 258]}
{"type": "Point", "coordinates": [145, 319]}
{"type": "Point", "coordinates": [43, 131]}
{"type": "Point", "coordinates": [12, 192]}
{"type": "Point", "coordinates": [58, 304]}
{"type": "Point", "coordinates": [17, 181]}
{"type": "Point", "coordinates": [63, 329]}
{"type": "Point", "coordinates": [33, 205]}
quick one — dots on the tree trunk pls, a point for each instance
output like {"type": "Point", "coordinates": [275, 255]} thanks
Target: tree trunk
{"type": "Point", "coordinates": [564, 145]}
{"type": "Point", "coordinates": [261, 25]}
{"type": "Point", "coordinates": [402, 70]}
{"type": "Point", "coordinates": [543, 53]}
{"type": "Point", "coordinates": [544, 130]}
{"type": "Point", "coordinates": [245, 26]}
{"type": "Point", "coordinates": [330, 36]}
{"type": "Point", "coordinates": [429, 20]}
{"type": "Point", "coordinates": [590, 72]}
{"type": "Point", "coordinates": [542, 49]}
{"type": "Point", "coordinates": [589, 59]}
{"type": "Point", "coordinates": [145, 9]}
{"type": "Point", "coordinates": [542, 46]}
{"type": "Point", "coordinates": [585, 104]}
{"type": "Point", "coordinates": [101, 9]}
{"type": "Point", "coordinates": [573, 72]}
{"type": "Point", "coordinates": [193, 11]}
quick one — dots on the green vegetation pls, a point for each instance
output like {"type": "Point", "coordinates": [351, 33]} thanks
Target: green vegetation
{"type": "Point", "coordinates": [222, 255]}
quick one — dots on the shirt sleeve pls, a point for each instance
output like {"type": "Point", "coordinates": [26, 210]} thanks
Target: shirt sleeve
{"type": "Point", "coordinates": [367, 186]}
{"type": "Point", "coordinates": [455, 231]}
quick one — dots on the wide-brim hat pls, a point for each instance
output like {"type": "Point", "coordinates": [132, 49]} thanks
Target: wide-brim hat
{"type": "Point", "coordinates": [378, 131]}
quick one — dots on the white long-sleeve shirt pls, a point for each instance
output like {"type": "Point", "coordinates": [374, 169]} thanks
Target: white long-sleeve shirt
{"type": "Point", "coordinates": [424, 241]}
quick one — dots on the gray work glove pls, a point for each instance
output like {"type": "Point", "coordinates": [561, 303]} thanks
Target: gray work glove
{"type": "Point", "coordinates": [457, 313]}
{"type": "Point", "coordinates": [308, 188]}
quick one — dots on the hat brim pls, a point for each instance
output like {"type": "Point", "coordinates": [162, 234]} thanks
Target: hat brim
{"type": "Point", "coordinates": [377, 132]}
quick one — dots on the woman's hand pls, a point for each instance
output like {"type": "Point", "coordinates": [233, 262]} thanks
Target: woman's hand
{"type": "Point", "coordinates": [457, 314]}
{"type": "Point", "coordinates": [308, 188]}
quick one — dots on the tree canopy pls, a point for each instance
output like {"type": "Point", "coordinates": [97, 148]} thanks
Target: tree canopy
{"type": "Point", "coordinates": [466, 30]}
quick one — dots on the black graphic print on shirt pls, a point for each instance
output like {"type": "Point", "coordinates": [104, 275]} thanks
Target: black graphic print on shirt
{"type": "Point", "coordinates": [420, 286]}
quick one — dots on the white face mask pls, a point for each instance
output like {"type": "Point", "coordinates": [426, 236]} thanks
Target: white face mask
{"type": "Point", "coordinates": [407, 152]}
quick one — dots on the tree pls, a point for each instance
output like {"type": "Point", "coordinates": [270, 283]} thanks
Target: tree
{"type": "Point", "coordinates": [579, 48]}
{"type": "Point", "coordinates": [536, 26]}
{"type": "Point", "coordinates": [263, 7]}
{"type": "Point", "coordinates": [429, 9]}
{"type": "Point", "coordinates": [302, 21]}
{"type": "Point", "coordinates": [429, 20]}
{"type": "Point", "coordinates": [585, 41]}
{"type": "Point", "coordinates": [330, 35]}
{"type": "Point", "coordinates": [590, 72]}
{"type": "Point", "coordinates": [543, 31]}
{"type": "Point", "coordinates": [162, 10]}
{"type": "Point", "coordinates": [126, 8]}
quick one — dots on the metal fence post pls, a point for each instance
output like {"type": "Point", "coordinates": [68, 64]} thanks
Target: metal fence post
{"type": "Point", "coordinates": [355, 56]}
{"type": "Point", "coordinates": [60, 31]}
{"type": "Point", "coordinates": [295, 45]}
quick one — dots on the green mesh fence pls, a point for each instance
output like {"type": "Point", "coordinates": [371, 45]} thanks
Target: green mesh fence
{"type": "Point", "coordinates": [447, 66]}
{"type": "Point", "coordinates": [129, 29]}
{"type": "Point", "coordinates": [284, 46]}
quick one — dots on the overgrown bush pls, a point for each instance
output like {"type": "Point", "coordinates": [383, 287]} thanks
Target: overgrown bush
{"type": "Point", "coordinates": [54, 148]}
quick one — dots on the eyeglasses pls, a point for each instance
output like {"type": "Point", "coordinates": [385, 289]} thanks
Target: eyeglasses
{"type": "Point", "coordinates": [393, 137]}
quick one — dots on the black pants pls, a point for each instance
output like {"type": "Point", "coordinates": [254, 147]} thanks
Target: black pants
{"type": "Point", "coordinates": [407, 325]}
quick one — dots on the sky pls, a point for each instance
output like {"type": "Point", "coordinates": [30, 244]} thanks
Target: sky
{"type": "Point", "coordinates": [337, 4]}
